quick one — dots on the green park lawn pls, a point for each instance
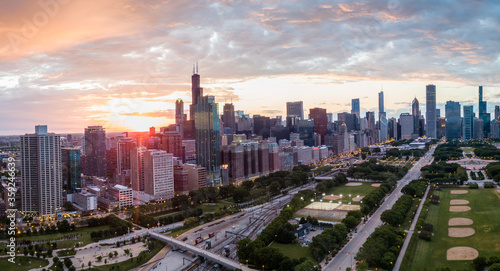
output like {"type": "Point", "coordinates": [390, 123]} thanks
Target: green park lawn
{"type": "Point", "coordinates": [431, 255]}
{"type": "Point", "coordinates": [22, 263]}
{"type": "Point", "coordinates": [293, 251]}
{"type": "Point", "coordinates": [361, 190]}
{"type": "Point", "coordinates": [468, 150]}
{"type": "Point", "coordinates": [212, 207]}
{"type": "Point", "coordinates": [84, 231]}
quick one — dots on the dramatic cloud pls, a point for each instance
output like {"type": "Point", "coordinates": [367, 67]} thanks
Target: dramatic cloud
{"type": "Point", "coordinates": [74, 63]}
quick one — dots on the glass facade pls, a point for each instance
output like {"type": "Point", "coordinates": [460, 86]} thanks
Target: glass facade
{"type": "Point", "coordinates": [453, 121]}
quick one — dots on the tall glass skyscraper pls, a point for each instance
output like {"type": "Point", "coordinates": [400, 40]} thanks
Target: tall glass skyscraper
{"type": "Point", "coordinates": [355, 107]}
{"type": "Point", "coordinates": [71, 167]}
{"type": "Point", "coordinates": [382, 118]}
{"type": "Point", "coordinates": [430, 114]}
{"type": "Point", "coordinates": [207, 133]}
{"type": "Point", "coordinates": [41, 187]}
{"type": "Point", "coordinates": [483, 115]}
{"type": "Point", "coordinates": [95, 151]}
{"type": "Point", "coordinates": [453, 121]}
{"type": "Point", "coordinates": [295, 109]}
{"type": "Point", "coordinates": [468, 122]}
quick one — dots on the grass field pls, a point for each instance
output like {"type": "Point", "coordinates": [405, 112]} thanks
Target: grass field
{"type": "Point", "coordinates": [468, 150]}
{"type": "Point", "coordinates": [486, 216]}
{"type": "Point", "coordinates": [293, 251]}
{"type": "Point", "coordinates": [85, 238]}
{"type": "Point", "coordinates": [22, 264]}
{"type": "Point", "coordinates": [212, 207]}
{"type": "Point", "coordinates": [361, 190]}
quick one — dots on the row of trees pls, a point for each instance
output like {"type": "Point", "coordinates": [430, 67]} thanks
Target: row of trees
{"type": "Point", "coordinates": [415, 188]}
{"type": "Point", "coordinates": [442, 172]}
{"type": "Point", "coordinates": [493, 170]}
{"type": "Point", "coordinates": [117, 227]}
{"type": "Point", "coordinates": [380, 250]}
{"type": "Point", "coordinates": [397, 214]}
{"type": "Point", "coordinates": [150, 221]}
{"type": "Point", "coordinates": [328, 242]}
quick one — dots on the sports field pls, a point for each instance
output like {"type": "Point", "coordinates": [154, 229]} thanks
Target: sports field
{"type": "Point", "coordinates": [464, 231]}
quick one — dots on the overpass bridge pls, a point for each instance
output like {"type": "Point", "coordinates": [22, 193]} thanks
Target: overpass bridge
{"type": "Point", "coordinates": [226, 262]}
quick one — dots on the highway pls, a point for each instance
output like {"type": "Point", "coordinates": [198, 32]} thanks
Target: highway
{"type": "Point", "coordinates": [345, 258]}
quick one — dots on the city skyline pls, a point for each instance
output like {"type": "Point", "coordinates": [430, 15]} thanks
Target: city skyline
{"type": "Point", "coordinates": [76, 70]}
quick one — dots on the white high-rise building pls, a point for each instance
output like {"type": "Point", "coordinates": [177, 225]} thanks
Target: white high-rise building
{"type": "Point", "coordinates": [158, 174]}
{"type": "Point", "coordinates": [41, 171]}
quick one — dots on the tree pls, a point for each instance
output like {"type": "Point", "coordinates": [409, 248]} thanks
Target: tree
{"type": "Point", "coordinates": [494, 267]}
{"type": "Point", "coordinates": [480, 263]}
{"type": "Point", "coordinates": [245, 249]}
{"type": "Point", "coordinates": [68, 206]}
{"type": "Point", "coordinates": [99, 258]}
{"type": "Point", "coordinates": [116, 253]}
{"type": "Point", "coordinates": [351, 222]}
{"type": "Point", "coordinates": [274, 188]}
{"type": "Point", "coordinates": [110, 255]}
{"type": "Point", "coordinates": [321, 187]}
{"type": "Point", "coordinates": [241, 194]}
{"type": "Point", "coordinates": [67, 262]}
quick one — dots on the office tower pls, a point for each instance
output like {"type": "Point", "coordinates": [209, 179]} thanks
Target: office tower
{"type": "Point", "coordinates": [69, 139]}
{"type": "Point", "coordinates": [430, 114]}
{"type": "Point", "coordinates": [179, 112]}
{"type": "Point", "coordinates": [478, 128]}
{"type": "Point", "coordinates": [128, 164]}
{"type": "Point", "coordinates": [71, 168]}
{"type": "Point", "coordinates": [350, 120]}
{"type": "Point", "coordinates": [406, 122]}
{"type": "Point", "coordinates": [111, 161]}
{"type": "Point", "coordinates": [158, 174]}
{"type": "Point", "coordinates": [152, 131]}
{"type": "Point", "coordinates": [41, 186]}
{"type": "Point", "coordinates": [180, 180]}
{"type": "Point", "coordinates": [95, 151]}
{"type": "Point", "coordinates": [482, 104]}
{"type": "Point", "coordinates": [295, 109]}
{"type": "Point", "coordinates": [305, 129]}
{"type": "Point", "coordinates": [196, 91]}
{"type": "Point", "coordinates": [318, 115]}
{"type": "Point", "coordinates": [468, 122]}
{"type": "Point", "coordinates": [197, 176]}
{"type": "Point", "coordinates": [355, 107]}
{"type": "Point", "coordinates": [207, 132]}
{"type": "Point", "coordinates": [261, 126]}
{"type": "Point", "coordinates": [483, 114]}
{"type": "Point", "coordinates": [453, 120]}
{"type": "Point", "coordinates": [497, 112]}
{"type": "Point", "coordinates": [382, 118]}
{"type": "Point", "coordinates": [415, 111]}
{"type": "Point", "coordinates": [228, 117]}
{"type": "Point", "coordinates": [440, 127]}
{"type": "Point", "coordinates": [172, 143]}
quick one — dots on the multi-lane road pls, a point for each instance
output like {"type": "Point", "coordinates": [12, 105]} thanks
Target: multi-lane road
{"type": "Point", "coordinates": [345, 258]}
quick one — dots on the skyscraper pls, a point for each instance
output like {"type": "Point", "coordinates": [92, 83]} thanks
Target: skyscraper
{"type": "Point", "coordinates": [207, 131]}
{"type": "Point", "coordinates": [71, 167]}
{"type": "Point", "coordinates": [483, 114]}
{"type": "Point", "coordinates": [468, 122]}
{"type": "Point", "coordinates": [453, 121]}
{"type": "Point", "coordinates": [159, 174]}
{"type": "Point", "coordinates": [295, 109]}
{"type": "Point", "coordinates": [406, 120]}
{"type": "Point", "coordinates": [320, 122]}
{"type": "Point", "coordinates": [179, 112]}
{"type": "Point", "coordinates": [41, 172]}
{"type": "Point", "coordinates": [497, 112]}
{"type": "Point", "coordinates": [415, 111]}
{"type": "Point", "coordinates": [430, 114]}
{"type": "Point", "coordinates": [382, 118]}
{"type": "Point", "coordinates": [128, 164]}
{"type": "Point", "coordinates": [228, 117]}
{"type": "Point", "coordinates": [196, 91]}
{"type": "Point", "coordinates": [355, 107]}
{"type": "Point", "coordinates": [95, 151]}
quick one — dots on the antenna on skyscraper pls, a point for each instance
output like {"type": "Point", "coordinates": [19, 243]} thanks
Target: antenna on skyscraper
{"type": "Point", "coordinates": [193, 68]}
{"type": "Point", "coordinates": [196, 67]}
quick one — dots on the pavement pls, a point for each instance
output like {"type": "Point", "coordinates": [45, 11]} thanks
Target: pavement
{"type": "Point", "coordinates": [410, 232]}
{"type": "Point", "coordinates": [345, 258]}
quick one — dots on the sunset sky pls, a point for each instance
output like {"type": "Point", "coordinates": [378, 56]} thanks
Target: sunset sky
{"type": "Point", "coordinates": [123, 63]}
